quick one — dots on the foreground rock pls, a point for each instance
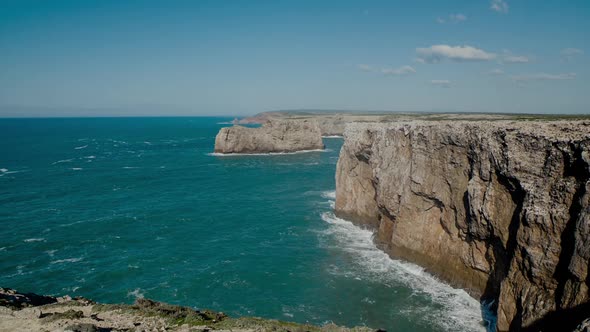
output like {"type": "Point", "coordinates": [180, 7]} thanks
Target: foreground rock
{"type": "Point", "coordinates": [273, 136]}
{"type": "Point", "coordinates": [19, 313]}
{"type": "Point", "coordinates": [500, 208]}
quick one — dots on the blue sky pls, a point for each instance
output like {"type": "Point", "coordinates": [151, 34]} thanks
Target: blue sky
{"type": "Point", "coordinates": [243, 57]}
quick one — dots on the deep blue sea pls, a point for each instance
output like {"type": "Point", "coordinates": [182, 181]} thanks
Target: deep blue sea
{"type": "Point", "coordinates": [118, 208]}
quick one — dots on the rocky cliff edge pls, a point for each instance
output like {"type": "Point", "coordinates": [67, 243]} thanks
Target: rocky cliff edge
{"type": "Point", "coordinates": [500, 208]}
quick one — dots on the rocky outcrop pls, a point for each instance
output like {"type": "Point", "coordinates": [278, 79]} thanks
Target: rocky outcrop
{"type": "Point", "coordinates": [273, 136]}
{"type": "Point", "coordinates": [29, 312]}
{"type": "Point", "coordinates": [500, 208]}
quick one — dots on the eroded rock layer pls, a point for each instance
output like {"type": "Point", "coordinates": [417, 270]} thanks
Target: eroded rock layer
{"type": "Point", "coordinates": [500, 208]}
{"type": "Point", "coordinates": [273, 136]}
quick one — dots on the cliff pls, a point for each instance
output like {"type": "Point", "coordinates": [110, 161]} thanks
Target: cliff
{"type": "Point", "coordinates": [500, 208]}
{"type": "Point", "coordinates": [273, 136]}
{"type": "Point", "coordinates": [31, 312]}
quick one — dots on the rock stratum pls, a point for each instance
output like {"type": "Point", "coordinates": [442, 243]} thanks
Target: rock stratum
{"type": "Point", "coordinates": [30, 312]}
{"type": "Point", "coordinates": [274, 136]}
{"type": "Point", "coordinates": [499, 208]}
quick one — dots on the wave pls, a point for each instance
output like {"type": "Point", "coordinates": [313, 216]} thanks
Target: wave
{"type": "Point", "coordinates": [331, 194]}
{"type": "Point", "coordinates": [81, 147]}
{"type": "Point", "coordinates": [3, 170]}
{"type": "Point", "coordinates": [217, 154]}
{"type": "Point", "coordinates": [136, 293]}
{"type": "Point", "coordinates": [90, 157]}
{"type": "Point", "coordinates": [67, 260]}
{"type": "Point", "coordinates": [76, 168]}
{"type": "Point", "coordinates": [333, 136]}
{"type": "Point", "coordinates": [34, 239]}
{"type": "Point", "coordinates": [63, 161]}
{"type": "Point", "coordinates": [460, 312]}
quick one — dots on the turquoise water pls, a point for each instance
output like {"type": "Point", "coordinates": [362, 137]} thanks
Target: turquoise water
{"type": "Point", "coordinates": [116, 208]}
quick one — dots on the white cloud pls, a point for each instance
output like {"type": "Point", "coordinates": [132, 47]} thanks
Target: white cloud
{"type": "Point", "coordinates": [544, 77]}
{"type": "Point", "coordinates": [453, 18]}
{"type": "Point", "coordinates": [456, 18]}
{"type": "Point", "coordinates": [366, 68]}
{"type": "Point", "coordinates": [437, 53]}
{"type": "Point", "coordinates": [441, 83]}
{"type": "Point", "coordinates": [499, 6]}
{"type": "Point", "coordinates": [405, 70]}
{"type": "Point", "coordinates": [496, 72]}
{"type": "Point", "coordinates": [568, 54]}
{"type": "Point", "coordinates": [401, 71]}
{"type": "Point", "coordinates": [515, 59]}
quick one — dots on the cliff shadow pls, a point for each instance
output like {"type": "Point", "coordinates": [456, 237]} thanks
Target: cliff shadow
{"type": "Point", "coordinates": [561, 320]}
{"type": "Point", "coordinates": [502, 256]}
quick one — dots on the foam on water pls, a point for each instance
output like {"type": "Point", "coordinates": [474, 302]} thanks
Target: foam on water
{"type": "Point", "coordinates": [81, 147]}
{"type": "Point", "coordinates": [36, 239]}
{"type": "Point", "coordinates": [3, 170]}
{"type": "Point", "coordinates": [331, 194]}
{"type": "Point", "coordinates": [63, 161]}
{"type": "Point", "coordinates": [67, 260]}
{"type": "Point", "coordinates": [217, 154]}
{"type": "Point", "coordinates": [460, 312]}
{"type": "Point", "coordinates": [76, 168]}
{"type": "Point", "coordinates": [333, 136]}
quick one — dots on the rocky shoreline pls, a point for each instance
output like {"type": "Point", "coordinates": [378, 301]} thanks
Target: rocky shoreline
{"type": "Point", "coordinates": [32, 312]}
{"type": "Point", "coordinates": [499, 208]}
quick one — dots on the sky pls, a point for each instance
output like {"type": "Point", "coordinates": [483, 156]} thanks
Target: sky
{"type": "Point", "coordinates": [117, 57]}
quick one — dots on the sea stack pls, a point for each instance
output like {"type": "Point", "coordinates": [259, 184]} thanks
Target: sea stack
{"type": "Point", "coordinates": [274, 136]}
{"type": "Point", "coordinates": [500, 208]}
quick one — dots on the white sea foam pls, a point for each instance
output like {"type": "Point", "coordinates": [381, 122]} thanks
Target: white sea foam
{"type": "Point", "coordinates": [34, 239]}
{"type": "Point", "coordinates": [90, 157]}
{"type": "Point", "coordinates": [81, 147]}
{"type": "Point", "coordinates": [460, 312]}
{"type": "Point", "coordinates": [148, 143]}
{"type": "Point", "coordinates": [129, 167]}
{"type": "Point", "coordinates": [331, 194]}
{"type": "Point", "coordinates": [136, 293]}
{"type": "Point", "coordinates": [217, 154]}
{"type": "Point", "coordinates": [51, 253]}
{"type": "Point", "coordinates": [333, 136]}
{"type": "Point", "coordinates": [76, 168]}
{"type": "Point", "coordinates": [3, 170]}
{"type": "Point", "coordinates": [63, 161]}
{"type": "Point", "coordinates": [67, 260]}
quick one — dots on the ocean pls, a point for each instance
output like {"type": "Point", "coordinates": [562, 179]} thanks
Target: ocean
{"type": "Point", "coordinates": [118, 208]}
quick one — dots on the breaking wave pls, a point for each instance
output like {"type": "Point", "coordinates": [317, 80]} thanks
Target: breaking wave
{"type": "Point", "coordinates": [460, 312]}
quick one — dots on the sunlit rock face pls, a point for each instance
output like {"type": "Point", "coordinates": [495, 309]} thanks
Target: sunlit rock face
{"type": "Point", "coordinates": [273, 136]}
{"type": "Point", "coordinates": [500, 208]}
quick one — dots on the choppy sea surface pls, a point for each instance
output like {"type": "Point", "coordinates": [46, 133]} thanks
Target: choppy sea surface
{"type": "Point", "coordinates": [118, 208]}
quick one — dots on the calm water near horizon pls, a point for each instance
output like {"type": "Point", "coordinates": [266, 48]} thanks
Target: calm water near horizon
{"type": "Point", "coordinates": [118, 208]}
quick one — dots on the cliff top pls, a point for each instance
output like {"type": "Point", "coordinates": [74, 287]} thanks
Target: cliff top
{"type": "Point", "coordinates": [558, 130]}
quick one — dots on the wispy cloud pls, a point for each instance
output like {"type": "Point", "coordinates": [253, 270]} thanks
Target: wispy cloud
{"type": "Point", "coordinates": [499, 6]}
{"type": "Point", "coordinates": [405, 70]}
{"type": "Point", "coordinates": [452, 18]}
{"type": "Point", "coordinates": [401, 71]}
{"type": "Point", "coordinates": [568, 54]}
{"type": "Point", "coordinates": [437, 53]}
{"type": "Point", "coordinates": [441, 83]}
{"type": "Point", "coordinates": [496, 72]}
{"type": "Point", "coordinates": [515, 59]}
{"type": "Point", "coordinates": [544, 77]}
{"type": "Point", "coordinates": [366, 68]}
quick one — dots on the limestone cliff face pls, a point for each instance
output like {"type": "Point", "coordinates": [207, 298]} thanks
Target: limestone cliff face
{"type": "Point", "coordinates": [273, 136]}
{"type": "Point", "coordinates": [499, 208]}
